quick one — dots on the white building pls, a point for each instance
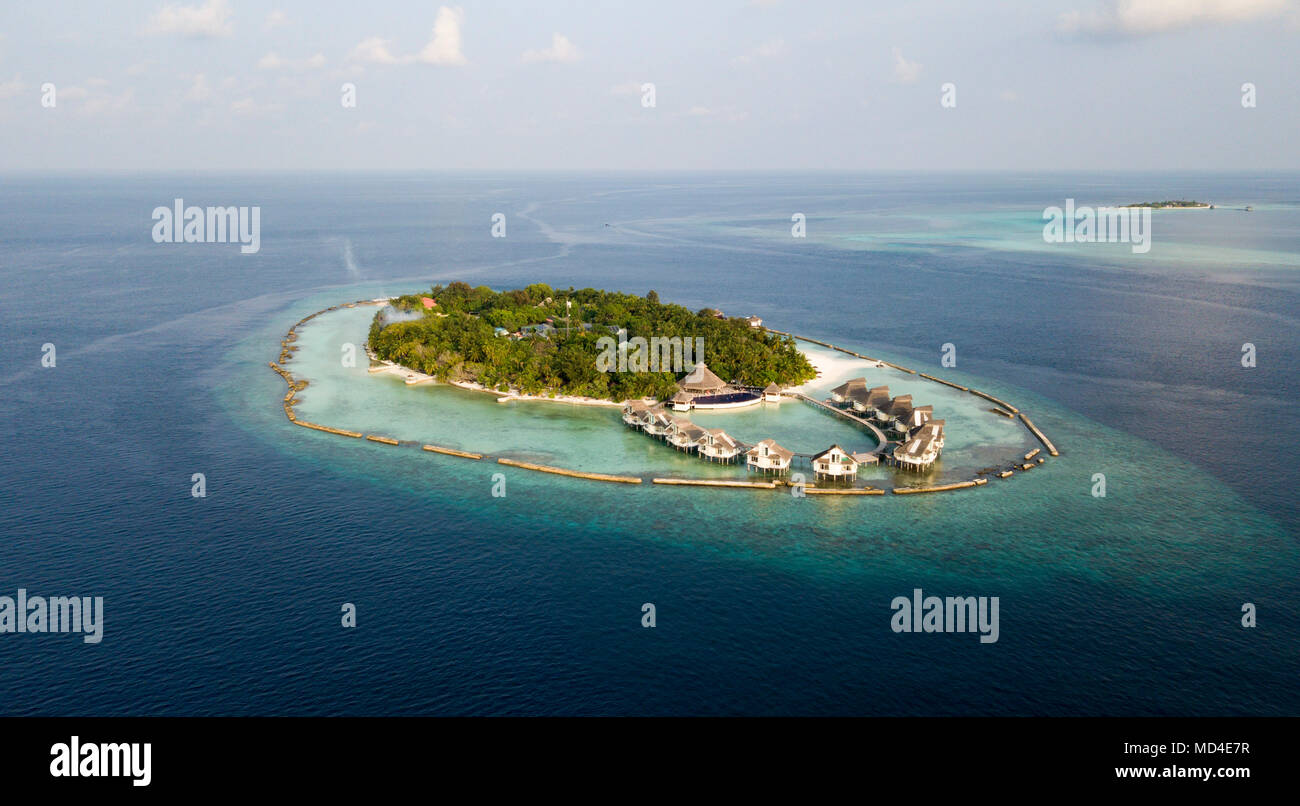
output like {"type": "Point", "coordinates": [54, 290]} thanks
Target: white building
{"type": "Point", "coordinates": [686, 435]}
{"type": "Point", "coordinates": [835, 463]}
{"type": "Point", "coordinates": [717, 445]}
{"type": "Point", "coordinates": [922, 449]}
{"type": "Point", "coordinates": [768, 456]}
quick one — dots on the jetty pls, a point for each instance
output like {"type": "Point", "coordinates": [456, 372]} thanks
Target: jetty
{"type": "Point", "coordinates": [560, 471]}
{"type": "Point", "coordinates": [881, 440]}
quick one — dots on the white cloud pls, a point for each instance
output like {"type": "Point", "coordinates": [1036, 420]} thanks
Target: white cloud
{"type": "Point", "coordinates": [273, 61]}
{"type": "Point", "coordinates": [275, 20]}
{"type": "Point", "coordinates": [373, 50]}
{"type": "Point", "coordinates": [768, 50]}
{"type": "Point", "coordinates": [210, 19]}
{"type": "Point", "coordinates": [1141, 17]}
{"type": "Point", "coordinates": [1009, 96]}
{"type": "Point", "coordinates": [626, 88]}
{"type": "Point", "coordinates": [904, 71]}
{"type": "Point", "coordinates": [561, 51]}
{"type": "Point", "coordinates": [9, 89]}
{"type": "Point", "coordinates": [444, 47]}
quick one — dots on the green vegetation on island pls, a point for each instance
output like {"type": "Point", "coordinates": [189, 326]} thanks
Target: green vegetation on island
{"type": "Point", "coordinates": [538, 340]}
{"type": "Point", "coordinates": [1171, 203]}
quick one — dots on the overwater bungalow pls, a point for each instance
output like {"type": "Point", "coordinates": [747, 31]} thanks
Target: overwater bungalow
{"type": "Point", "coordinates": [768, 456]}
{"type": "Point", "coordinates": [718, 446]}
{"type": "Point", "coordinates": [914, 419]}
{"type": "Point", "coordinates": [657, 422]}
{"type": "Point", "coordinates": [834, 463]}
{"type": "Point", "coordinates": [634, 412]}
{"type": "Point", "coordinates": [899, 408]}
{"type": "Point", "coordinates": [869, 401]}
{"type": "Point", "coordinates": [682, 401]}
{"type": "Point", "coordinates": [922, 449]}
{"type": "Point", "coordinates": [842, 394]}
{"type": "Point", "coordinates": [772, 394]}
{"type": "Point", "coordinates": [686, 435]}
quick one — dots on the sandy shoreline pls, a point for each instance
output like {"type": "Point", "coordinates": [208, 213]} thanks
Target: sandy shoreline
{"type": "Point", "coordinates": [830, 366]}
{"type": "Point", "coordinates": [414, 378]}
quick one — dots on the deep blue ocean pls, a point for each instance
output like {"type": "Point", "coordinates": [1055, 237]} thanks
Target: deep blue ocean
{"type": "Point", "coordinates": [531, 605]}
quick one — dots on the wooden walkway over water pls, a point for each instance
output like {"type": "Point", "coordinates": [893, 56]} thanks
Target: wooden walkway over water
{"type": "Point", "coordinates": [881, 440]}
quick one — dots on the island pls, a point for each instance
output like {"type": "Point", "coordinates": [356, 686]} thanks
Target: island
{"type": "Point", "coordinates": [564, 344]}
{"type": "Point", "coordinates": [576, 343]}
{"type": "Point", "coordinates": [1178, 204]}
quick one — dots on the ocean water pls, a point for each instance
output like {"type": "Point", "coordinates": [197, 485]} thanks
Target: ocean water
{"type": "Point", "coordinates": [531, 603]}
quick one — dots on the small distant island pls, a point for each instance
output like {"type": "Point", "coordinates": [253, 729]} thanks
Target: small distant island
{"type": "Point", "coordinates": [542, 341]}
{"type": "Point", "coordinates": [1174, 203]}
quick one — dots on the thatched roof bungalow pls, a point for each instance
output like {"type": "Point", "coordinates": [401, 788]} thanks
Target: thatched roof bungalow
{"type": "Point", "coordinates": [768, 455]}
{"type": "Point", "coordinates": [719, 445]}
{"type": "Point", "coordinates": [834, 463]}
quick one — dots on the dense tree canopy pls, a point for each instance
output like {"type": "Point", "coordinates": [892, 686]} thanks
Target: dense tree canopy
{"type": "Point", "coordinates": [456, 340]}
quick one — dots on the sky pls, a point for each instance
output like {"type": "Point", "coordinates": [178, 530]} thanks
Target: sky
{"type": "Point", "coordinates": [235, 85]}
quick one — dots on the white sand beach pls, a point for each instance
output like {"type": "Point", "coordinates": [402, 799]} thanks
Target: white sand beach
{"type": "Point", "coordinates": [833, 368]}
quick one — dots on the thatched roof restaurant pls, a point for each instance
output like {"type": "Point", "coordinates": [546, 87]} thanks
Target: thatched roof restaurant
{"type": "Point", "coordinates": [701, 381]}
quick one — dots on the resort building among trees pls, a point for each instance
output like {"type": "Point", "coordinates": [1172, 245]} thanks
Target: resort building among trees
{"type": "Point", "coordinates": [772, 394]}
{"type": "Point", "coordinates": [702, 389]}
{"type": "Point", "coordinates": [702, 381]}
{"type": "Point", "coordinates": [767, 456]}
